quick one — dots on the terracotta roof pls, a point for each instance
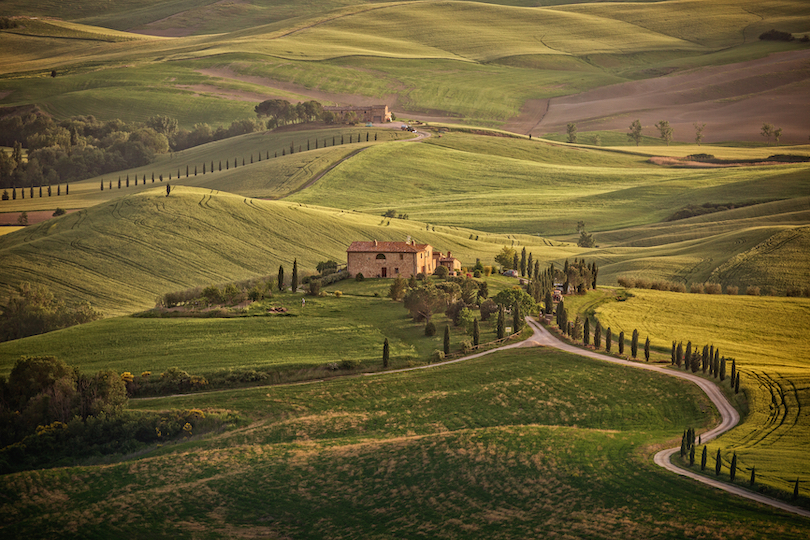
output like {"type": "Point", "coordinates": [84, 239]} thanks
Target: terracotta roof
{"type": "Point", "coordinates": [386, 247]}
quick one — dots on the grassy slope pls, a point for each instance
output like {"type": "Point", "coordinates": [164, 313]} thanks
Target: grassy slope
{"type": "Point", "coordinates": [767, 337]}
{"type": "Point", "coordinates": [509, 446]}
{"type": "Point", "coordinates": [327, 330]}
{"type": "Point", "coordinates": [122, 254]}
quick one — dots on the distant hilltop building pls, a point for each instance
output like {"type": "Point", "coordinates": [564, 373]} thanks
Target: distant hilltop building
{"type": "Point", "coordinates": [390, 259]}
{"type": "Point", "coordinates": [372, 113]}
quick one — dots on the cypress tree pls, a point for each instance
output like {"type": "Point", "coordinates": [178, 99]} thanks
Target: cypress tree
{"type": "Point", "coordinates": [597, 335]}
{"type": "Point", "coordinates": [796, 490]}
{"type": "Point", "coordinates": [119, 186]}
{"type": "Point", "coordinates": [40, 191]}
{"type": "Point", "coordinates": [718, 464]}
{"type": "Point", "coordinates": [168, 189]}
{"type": "Point", "coordinates": [683, 444]}
{"type": "Point", "coordinates": [536, 269]}
{"type": "Point", "coordinates": [375, 136]}
{"type": "Point", "coordinates": [595, 272]}
{"type": "Point", "coordinates": [517, 320]}
{"type": "Point", "coordinates": [385, 353]}
{"type": "Point", "coordinates": [647, 349]}
{"type": "Point", "coordinates": [243, 162]}
{"type": "Point", "coordinates": [195, 170]}
{"type": "Point", "coordinates": [501, 328]}
{"type": "Point", "coordinates": [294, 280]}
{"type": "Point", "coordinates": [723, 369]}
{"type": "Point", "coordinates": [307, 144]}
{"type": "Point", "coordinates": [634, 344]}
{"type": "Point", "coordinates": [523, 262]}
{"type": "Point", "coordinates": [447, 339]}
{"type": "Point", "coordinates": [212, 166]}
{"type": "Point", "coordinates": [204, 167]}
{"type": "Point", "coordinates": [220, 165]}
{"type": "Point", "coordinates": [737, 384]}
{"type": "Point", "coordinates": [733, 370]}
{"type": "Point", "coordinates": [753, 476]}
{"type": "Point", "coordinates": [251, 157]}
{"type": "Point", "coordinates": [235, 164]}
{"type": "Point", "coordinates": [136, 179]}
{"type": "Point", "coordinates": [476, 333]}
{"type": "Point", "coordinates": [102, 184]}
{"type": "Point", "coordinates": [341, 139]}
{"type": "Point", "coordinates": [586, 332]}
{"type": "Point", "coordinates": [688, 356]}
{"type": "Point", "coordinates": [333, 141]}
{"type": "Point", "coordinates": [110, 186]}
{"type": "Point", "coordinates": [621, 342]}
{"type": "Point", "coordinates": [692, 455]}
{"type": "Point", "coordinates": [268, 154]}
{"type": "Point", "coordinates": [608, 339]}
{"type": "Point", "coordinates": [127, 184]}
{"type": "Point", "coordinates": [732, 473]}
{"type": "Point", "coordinates": [703, 459]}
{"type": "Point", "coordinates": [672, 359]}
{"type": "Point", "coordinates": [316, 144]}
{"type": "Point", "coordinates": [549, 303]}
{"type": "Point", "coordinates": [716, 362]}
{"type": "Point", "coordinates": [280, 278]}
{"type": "Point", "coordinates": [679, 354]}
{"type": "Point", "coordinates": [178, 174]}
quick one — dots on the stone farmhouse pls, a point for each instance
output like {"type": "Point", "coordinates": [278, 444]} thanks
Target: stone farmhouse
{"type": "Point", "coordinates": [389, 259]}
{"type": "Point", "coordinates": [372, 113]}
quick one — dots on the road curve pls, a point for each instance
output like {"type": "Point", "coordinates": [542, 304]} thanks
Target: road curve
{"type": "Point", "coordinates": [730, 416]}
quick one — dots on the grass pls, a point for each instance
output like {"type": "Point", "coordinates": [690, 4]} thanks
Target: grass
{"type": "Point", "coordinates": [506, 446]}
{"type": "Point", "coordinates": [296, 345]}
{"type": "Point", "coordinates": [766, 335]}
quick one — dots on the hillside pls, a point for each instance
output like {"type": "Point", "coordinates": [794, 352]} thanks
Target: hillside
{"type": "Point", "coordinates": [488, 64]}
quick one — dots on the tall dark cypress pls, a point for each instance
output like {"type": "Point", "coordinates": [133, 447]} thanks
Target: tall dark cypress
{"type": "Point", "coordinates": [753, 476]}
{"type": "Point", "coordinates": [280, 278]}
{"type": "Point", "coordinates": [647, 349]}
{"type": "Point", "coordinates": [517, 320]}
{"type": "Point", "coordinates": [718, 464]}
{"type": "Point", "coordinates": [476, 333]}
{"type": "Point", "coordinates": [608, 339]}
{"type": "Point", "coordinates": [737, 384]}
{"type": "Point", "coordinates": [634, 344]}
{"type": "Point", "coordinates": [597, 336]}
{"type": "Point", "coordinates": [672, 359]}
{"type": "Point", "coordinates": [447, 339]}
{"type": "Point", "coordinates": [796, 489]}
{"type": "Point", "coordinates": [294, 280]}
{"type": "Point", "coordinates": [733, 370]}
{"type": "Point", "coordinates": [621, 343]}
{"type": "Point", "coordinates": [732, 473]}
{"type": "Point", "coordinates": [523, 262]}
{"type": "Point", "coordinates": [692, 455]}
{"type": "Point", "coordinates": [586, 332]}
{"type": "Point", "coordinates": [703, 458]}
{"type": "Point", "coordinates": [385, 353]}
{"type": "Point", "coordinates": [688, 355]}
{"type": "Point", "coordinates": [501, 328]}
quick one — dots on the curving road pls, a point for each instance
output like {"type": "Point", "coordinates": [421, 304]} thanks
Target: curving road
{"type": "Point", "coordinates": [730, 416]}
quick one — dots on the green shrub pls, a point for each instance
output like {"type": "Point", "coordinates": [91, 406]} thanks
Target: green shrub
{"type": "Point", "coordinates": [59, 212]}
{"type": "Point", "coordinates": [441, 272]}
{"type": "Point", "coordinates": [430, 329]}
{"type": "Point", "coordinates": [359, 277]}
{"type": "Point", "coordinates": [350, 363]}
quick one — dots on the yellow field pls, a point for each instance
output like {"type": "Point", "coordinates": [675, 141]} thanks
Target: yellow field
{"type": "Point", "coordinates": [768, 337]}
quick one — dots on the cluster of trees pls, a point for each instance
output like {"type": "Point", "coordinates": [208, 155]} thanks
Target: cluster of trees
{"type": "Point", "coordinates": [707, 360]}
{"type": "Point", "coordinates": [51, 414]}
{"type": "Point", "coordinates": [83, 146]}
{"type": "Point", "coordinates": [777, 35]}
{"type": "Point", "coordinates": [280, 112]}
{"type": "Point", "coordinates": [6, 23]}
{"type": "Point", "coordinates": [580, 329]}
{"type": "Point", "coordinates": [35, 310]}
{"type": "Point", "coordinates": [768, 131]}
{"type": "Point", "coordinates": [707, 287]}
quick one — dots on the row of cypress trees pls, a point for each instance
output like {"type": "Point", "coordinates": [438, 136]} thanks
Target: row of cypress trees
{"type": "Point", "coordinates": [707, 360]}
{"type": "Point", "coordinates": [581, 330]}
{"type": "Point", "coordinates": [206, 168]}
{"type": "Point", "coordinates": [48, 188]}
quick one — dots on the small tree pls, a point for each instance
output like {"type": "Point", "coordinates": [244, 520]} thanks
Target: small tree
{"type": "Point", "coordinates": [718, 464]}
{"type": "Point", "coordinates": [753, 476]}
{"type": "Point", "coordinates": [386, 352]}
{"type": "Point", "coordinates": [397, 290]}
{"type": "Point", "coordinates": [777, 134]}
{"type": "Point", "coordinates": [635, 132]}
{"type": "Point", "coordinates": [22, 219]}
{"type": "Point", "coordinates": [737, 384]}
{"type": "Point", "coordinates": [597, 336]}
{"type": "Point", "coordinates": [634, 344]}
{"type": "Point", "coordinates": [796, 490]}
{"type": "Point", "coordinates": [447, 339]}
{"type": "Point", "coordinates": [665, 130]}
{"type": "Point", "coordinates": [294, 280]}
{"type": "Point", "coordinates": [476, 333]}
{"type": "Point", "coordinates": [732, 472]}
{"type": "Point", "coordinates": [692, 455]}
{"type": "Point", "coordinates": [517, 320]}
{"type": "Point", "coordinates": [767, 131]}
{"type": "Point", "coordinates": [501, 327]}
{"type": "Point", "coordinates": [586, 332]}
{"type": "Point", "coordinates": [571, 129]}
{"type": "Point", "coordinates": [280, 278]}
{"type": "Point", "coordinates": [621, 343]}
{"type": "Point", "coordinates": [647, 349]}
{"type": "Point", "coordinates": [608, 339]}
{"type": "Point", "coordinates": [699, 132]}
{"type": "Point", "coordinates": [703, 458]}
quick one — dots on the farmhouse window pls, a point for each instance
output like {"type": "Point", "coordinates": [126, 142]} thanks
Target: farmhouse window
{"type": "Point", "coordinates": [396, 270]}
{"type": "Point", "coordinates": [380, 256]}
{"type": "Point", "coordinates": [401, 256]}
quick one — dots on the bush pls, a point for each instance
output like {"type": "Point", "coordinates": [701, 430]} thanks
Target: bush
{"type": "Point", "coordinates": [466, 346]}
{"type": "Point", "coordinates": [732, 290]}
{"type": "Point", "coordinates": [696, 288]}
{"type": "Point", "coordinates": [752, 291]}
{"type": "Point", "coordinates": [359, 277]}
{"type": "Point", "coordinates": [59, 212]}
{"type": "Point", "coordinates": [793, 292]}
{"type": "Point", "coordinates": [678, 287]}
{"type": "Point", "coordinates": [712, 288]}
{"type": "Point", "coordinates": [642, 283]}
{"type": "Point", "coordinates": [441, 272]}
{"type": "Point", "coordinates": [314, 287]}
{"type": "Point", "coordinates": [488, 308]}
{"type": "Point", "coordinates": [769, 291]}
{"type": "Point", "coordinates": [212, 294]}
{"type": "Point", "coordinates": [430, 329]}
{"type": "Point", "coordinates": [255, 294]}
{"type": "Point", "coordinates": [437, 356]}
{"type": "Point", "coordinates": [477, 274]}
{"type": "Point", "coordinates": [350, 363]}
{"type": "Point", "coordinates": [626, 282]}
{"type": "Point", "coordinates": [776, 35]}
{"type": "Point", "coordinates": [338, 294]}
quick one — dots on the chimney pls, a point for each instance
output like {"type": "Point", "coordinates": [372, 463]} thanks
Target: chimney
{"type": "Point", "coordinates": [375, 243]}
{"type": "Point", "coordinates": [449, 255]}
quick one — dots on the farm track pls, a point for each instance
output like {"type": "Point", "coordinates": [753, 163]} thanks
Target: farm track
{"type": "Point", "coordinates": [542, 337]}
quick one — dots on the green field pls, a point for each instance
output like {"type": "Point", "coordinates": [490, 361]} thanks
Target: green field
{"type": "Point", "coordinates": [767, 337]}
{"type": "Point", "coordinates": [512, 445]}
